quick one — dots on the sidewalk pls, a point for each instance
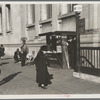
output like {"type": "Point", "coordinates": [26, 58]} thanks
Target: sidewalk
{"type": "Point", "coordinates": [22, 80]}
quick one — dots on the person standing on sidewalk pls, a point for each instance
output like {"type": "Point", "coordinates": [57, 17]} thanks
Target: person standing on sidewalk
{"type": "Point", "coordinates": [2, 49]}
{"type": "Point", "coordinates": [42, 75]}
{"type": "Point", "coordinates": [24, 52]}
{"type": "Point", "coordinates": [66, 54]}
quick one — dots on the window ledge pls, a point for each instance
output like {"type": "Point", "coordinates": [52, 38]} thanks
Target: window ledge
{"type": "Point", "coordinates": [70, 14]}
{"type": "Point", "coordinates": [45, 21]}
{"type": "Point", "coordinates": [30, 25]}
{"type": "Point", "coordinates": [8, 31]}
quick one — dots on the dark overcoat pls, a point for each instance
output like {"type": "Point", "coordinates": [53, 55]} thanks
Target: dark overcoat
{"type": "Point", "coordinates": [16, 54]}
{"type": "Point", "coordinates": [2, 49]}
{"type": "Point", "coordinates": [42, 75]}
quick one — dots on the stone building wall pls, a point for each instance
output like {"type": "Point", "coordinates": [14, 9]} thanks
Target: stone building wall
{"type": "Point", "coordinates": [20, 27]}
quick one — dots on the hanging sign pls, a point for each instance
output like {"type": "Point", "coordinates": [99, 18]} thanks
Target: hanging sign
{"type": "Point", "coordinates": [82, 25]}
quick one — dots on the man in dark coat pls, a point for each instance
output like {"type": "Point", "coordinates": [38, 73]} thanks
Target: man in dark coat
{"type": "Point", "coordinates": [2, 49]}
{"type": "Point", "coordinates": [17, 56]}
{"type": "Point", "coordinates": [24, 52]}
{"type": "Point", "coordinates": [42, 75]}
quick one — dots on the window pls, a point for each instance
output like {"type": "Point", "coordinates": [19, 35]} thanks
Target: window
{"type": "Point", "coordinates": [31, 13]}
{"type": "Point", "coordinates": [0, 20]}
{"type": "Point", "coordinates": [8, 17]}
{"type": "Point", "coordinates": [66, 8]}
{"type": "Point", "coordinates": [46, 11]}
{"type": "Point", "coordinates": [72, 7]}
{"type": "Point", "coordinates": [49, 11]}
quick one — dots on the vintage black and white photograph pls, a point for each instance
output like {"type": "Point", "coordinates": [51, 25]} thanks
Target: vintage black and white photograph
{"type": "Point", "coordinates": [49, 48]}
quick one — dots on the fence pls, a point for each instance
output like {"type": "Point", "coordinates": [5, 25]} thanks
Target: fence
{"type": "Point", "coordinates": [90, 60]}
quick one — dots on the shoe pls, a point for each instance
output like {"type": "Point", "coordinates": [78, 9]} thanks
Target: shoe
{"type": "Point", "coordinates": [43, 86]}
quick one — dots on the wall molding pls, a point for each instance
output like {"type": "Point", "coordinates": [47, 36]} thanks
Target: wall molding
{"type": "Point", "coordinates": [29, 44]}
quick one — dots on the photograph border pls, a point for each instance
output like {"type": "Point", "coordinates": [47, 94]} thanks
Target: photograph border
{"type": "Point", "coordinates": [55, 96]}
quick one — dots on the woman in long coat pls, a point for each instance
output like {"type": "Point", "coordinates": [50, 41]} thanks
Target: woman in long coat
{"type": "Point", "coordinates": [42, 75]}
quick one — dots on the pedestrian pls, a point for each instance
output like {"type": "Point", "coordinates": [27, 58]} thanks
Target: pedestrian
{"type": "Point", "coordinates": [17, 56]}
{"type": "Point", "coordinates": [2, 49]}
{"type": "Point", "coordinates": [66, 53]}
{"type": "Point", "coordinates": [42, 75]}
{"type": "Point", "coordinates": [30, 58]}
{"type": "Point", "coordinates": [72, 52]}
{"type": "Point", "coordinates": [24, 52]}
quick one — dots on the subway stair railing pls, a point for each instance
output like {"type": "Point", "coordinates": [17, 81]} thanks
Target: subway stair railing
{"type": "Point", "coordinates": [90, 60]}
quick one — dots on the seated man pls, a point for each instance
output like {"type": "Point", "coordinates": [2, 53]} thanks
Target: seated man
{"type": "Point", "coordinates": [17, 56]}
{"type": "Point", "coordinates": [30, 58]}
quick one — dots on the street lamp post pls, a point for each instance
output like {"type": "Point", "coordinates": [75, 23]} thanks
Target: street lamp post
{"type": "Point", "coordinates": [77, 10]}
{"type": "Point", "coordinates": [77, 44]}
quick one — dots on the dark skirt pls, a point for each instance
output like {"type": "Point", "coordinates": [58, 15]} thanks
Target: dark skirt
{"type": "Point", "coordinates": [43, 76]}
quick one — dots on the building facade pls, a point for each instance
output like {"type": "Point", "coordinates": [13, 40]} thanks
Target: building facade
{"type": "Point", "coordinates": [18, 21]}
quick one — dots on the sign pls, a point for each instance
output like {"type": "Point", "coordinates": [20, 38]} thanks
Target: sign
{"type": "Point", "coordinates": [77, 8]}
{"type": "Point", "coordinates": [59, 49]}
{"type": "Point", "coordinates": [82, 26]}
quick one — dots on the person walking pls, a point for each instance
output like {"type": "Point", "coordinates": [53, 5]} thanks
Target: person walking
{"type": "Point", "coordinates": [24, 52]}
{"type": "Point", "coordinates": [42, 75]}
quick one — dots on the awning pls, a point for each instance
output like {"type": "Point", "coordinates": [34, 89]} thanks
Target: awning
{"type": "Point", "coordinates": [58, 33]}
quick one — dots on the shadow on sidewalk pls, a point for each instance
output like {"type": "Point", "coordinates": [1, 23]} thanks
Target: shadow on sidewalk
{"type": "Point", "coordinates": [6, 58]}
{"type": "Point", "coordinates": [8, 78]}
{"type": "Point", "coordinates": [3, 63]}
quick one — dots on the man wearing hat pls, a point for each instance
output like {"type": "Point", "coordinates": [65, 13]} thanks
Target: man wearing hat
{"type": "Point", "coordinates": [24, 52]}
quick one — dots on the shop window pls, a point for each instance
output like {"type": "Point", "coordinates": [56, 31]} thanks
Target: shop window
{"type": "Point", "coordinates": [0, 20]}
{"type": "Point", "coordinates": [8, 17]}
{"type": "Point", "coordinates": [31, 13]}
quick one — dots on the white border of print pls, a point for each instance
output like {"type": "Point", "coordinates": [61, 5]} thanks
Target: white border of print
{"type": "Point", "coordinates": [54, 96]}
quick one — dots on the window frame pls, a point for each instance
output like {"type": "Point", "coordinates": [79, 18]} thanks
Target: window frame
{"type": "Point", "coordinates": [8, 18]}
{"type": "Point", "coordinates": [31, 14]}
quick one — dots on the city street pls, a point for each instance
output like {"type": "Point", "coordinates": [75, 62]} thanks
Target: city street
{"type": "Point", "coordinates": [15, 79]}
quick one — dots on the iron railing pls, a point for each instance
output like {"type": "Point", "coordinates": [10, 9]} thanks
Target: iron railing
{"type": "Point", "coordinates": [90, 57]}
